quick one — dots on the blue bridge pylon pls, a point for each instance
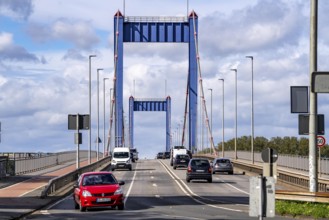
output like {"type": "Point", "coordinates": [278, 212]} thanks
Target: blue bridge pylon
{"type": "Point", "coordinates": [156, 30]}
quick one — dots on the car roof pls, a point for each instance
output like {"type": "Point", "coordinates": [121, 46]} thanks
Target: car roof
{"type": "Point", "coordinates": [96, 172]}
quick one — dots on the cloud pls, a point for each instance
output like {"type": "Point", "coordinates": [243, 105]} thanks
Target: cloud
{"type": "Point", "coordinates": [20, 9]}
{"type": "Point", "coordinates": [268, 24]}
{"type": "Point", "coordinates": [80, 33]}
{"type": "Point", "coordinates": [10, 51]}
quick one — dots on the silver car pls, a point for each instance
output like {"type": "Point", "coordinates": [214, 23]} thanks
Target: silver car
{"type": "Point", "coordinates": [222, 165]}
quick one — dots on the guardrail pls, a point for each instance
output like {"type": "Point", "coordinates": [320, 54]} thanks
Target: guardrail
{"type": "Point", "coordinates": [22, 163]}
{"type": "Point", "coordinates": [66, 181]}
{"type": "Point", "coordinates": [292, 177]}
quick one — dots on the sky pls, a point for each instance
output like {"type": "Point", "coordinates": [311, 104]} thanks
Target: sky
{"type": "Point", "coordinates": [44, 68]}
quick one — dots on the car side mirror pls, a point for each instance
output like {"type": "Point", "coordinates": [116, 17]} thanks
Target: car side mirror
{"type": "Point", "coordinates": [121, 183]}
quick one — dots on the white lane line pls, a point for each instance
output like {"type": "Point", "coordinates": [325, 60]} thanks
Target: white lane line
{"type": "Point", "coordinates": [152, 177]}
{"type": "Point", "coordinates": [180, 183]}
{"type": "Point", "coordinates": [154, 184]}
{"type": "Point", "coordinates": [131, 185]}
{"type": "Point", "coordinates": [233, 186]}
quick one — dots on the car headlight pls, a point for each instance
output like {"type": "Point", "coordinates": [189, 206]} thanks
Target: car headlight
{"type": "Point", "coordinates": [128, 161]}
{"type": "Point", "coordinates": [86, 193]}
{"type": "Point", "coordinates": [118, 191]}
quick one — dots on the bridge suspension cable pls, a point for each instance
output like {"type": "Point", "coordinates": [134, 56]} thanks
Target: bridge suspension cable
{"type": "Point", "coordinates": [211, 139]}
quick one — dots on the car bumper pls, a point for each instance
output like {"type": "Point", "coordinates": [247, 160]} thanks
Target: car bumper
{"type": "Point", "coordinates": [121, 166]}
{"type": "Point", "coordinates": [106, 201]}
{"type": "Point", "coordinates": [222, 169]}
{"type": "Point", "coordinates": [198, 176]}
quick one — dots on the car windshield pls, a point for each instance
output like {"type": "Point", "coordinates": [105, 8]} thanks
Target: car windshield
{"type": "Point", "coordinates": [200, 163]}
{"type": "Point", "coordinates": [98, 179]}
{"type": "Point", "coordinates": [121, 154]}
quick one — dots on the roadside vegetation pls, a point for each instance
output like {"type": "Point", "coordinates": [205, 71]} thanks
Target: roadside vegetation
{"type": "Point", "coordinates": [284, 145]}
{"type": "Point", "coordinates": [302, 209]}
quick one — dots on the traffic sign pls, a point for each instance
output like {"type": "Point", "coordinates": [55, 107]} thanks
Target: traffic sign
{"type": "Point", "coordinates": [321, 141]}
{"type": "Point", "coordinates": [269, 155]}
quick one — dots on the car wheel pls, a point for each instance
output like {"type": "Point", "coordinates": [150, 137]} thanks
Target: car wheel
{"type": "Point", "coordinates": [121, 207]}
{"type": "Point", "coordinates": [188, 180]}
{"type": "Point", "coordinates": [82, 209]}
{"type": "Point", "coordinates": [231, 172]}
{"type": "Point", "coordinates": [171, 164]}
{"type": "Point", "coordinates": [113, 169]}
{"type": "Point", "coordinates": [210, 180]}
{"type": "Point", "coordinates": [174, 167]}
{"type": "Point", "coordinates": [213, 172]}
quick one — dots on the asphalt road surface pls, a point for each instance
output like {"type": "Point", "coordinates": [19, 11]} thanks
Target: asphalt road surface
{"type": "Point", "coordinates": [154, 190]}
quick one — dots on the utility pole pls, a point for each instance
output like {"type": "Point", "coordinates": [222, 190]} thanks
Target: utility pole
{"type": "Point", "coordinates": [313, 100]}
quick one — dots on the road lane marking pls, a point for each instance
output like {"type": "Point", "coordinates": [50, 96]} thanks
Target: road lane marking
{"type": "Point", "coordinates": [233, 186]}
{"type": "Point", "coordinates": [180, 183]}
{"type": "Point", "coordinates": [154, 184]}
{"type": "Point", "coordinates": [131, 185]}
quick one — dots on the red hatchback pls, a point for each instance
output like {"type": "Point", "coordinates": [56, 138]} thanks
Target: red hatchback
{"type": "Point", "coordinates": [98, 189]}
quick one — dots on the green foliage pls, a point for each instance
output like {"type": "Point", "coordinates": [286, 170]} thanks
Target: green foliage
{"type": "Point", "coordinates": [309, 209]}
{"type": "Point", "coordinates": [285, 145]}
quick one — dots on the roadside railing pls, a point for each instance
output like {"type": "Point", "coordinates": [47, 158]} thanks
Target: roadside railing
{"type": "Point", "coordinates": [67, 181]}
{"type": "Point", "coordinates": [22, 163]}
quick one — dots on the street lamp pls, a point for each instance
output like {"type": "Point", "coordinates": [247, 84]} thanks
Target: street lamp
{"type": "Point", "coordinates": [111, 121]}
{"type": "Point", "coordinates": [98, 113]}
{"type": "Point", "coordinates": [222, 117]}
{"type": "Point", "coordinates": [252, 108]}
{"type": "Point", "coordinates": [104, 116]}
{"type": "Point", "coordinates": [89, 135]}
{"type": "Point", "coordinates": [236, 111]}
{"type": "Point", "coordinates": [210, 114]}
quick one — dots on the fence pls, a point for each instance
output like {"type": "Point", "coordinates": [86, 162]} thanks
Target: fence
{"type": "Point", "coordinates": [20, 163]}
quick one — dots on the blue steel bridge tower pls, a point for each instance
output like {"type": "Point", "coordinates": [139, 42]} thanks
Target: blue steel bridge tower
{"type": "Point", "coordinates": [156, 30]}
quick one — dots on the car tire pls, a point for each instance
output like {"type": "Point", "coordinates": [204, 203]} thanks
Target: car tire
{"type": "Point", "coordinates": [113, 169]}
{"type": "Point", "coordinates": [174, 167]}
{"type": "Point", "coordinates": [210, 180]}
{"type": "Point", "coordinates": [231, 173]}
{"type": "Point", "coordinates": [188, 180]}
{"type": "Point", "coordinates": [121, 207]}
{"type": "Point", "coordinates": [213, 172]}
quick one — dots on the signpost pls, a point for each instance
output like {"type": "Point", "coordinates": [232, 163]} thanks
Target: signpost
{"type": "Point", "coordinates": [321, 141]}
{"type": "Point", "coordinates": [76, 122]}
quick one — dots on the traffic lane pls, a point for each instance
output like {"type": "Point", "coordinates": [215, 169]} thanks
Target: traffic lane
{"type": "Point", "coordinates": [218, 193]}
{"type": "Point", "coordinates": [158, 193]}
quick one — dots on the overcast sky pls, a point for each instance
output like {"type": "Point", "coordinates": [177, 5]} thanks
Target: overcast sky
{"type": "Point", "coordinates": [45, 44]}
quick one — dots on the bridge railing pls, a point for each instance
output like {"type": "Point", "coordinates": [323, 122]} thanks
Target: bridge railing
{"type": "Point", "coordinates": [21, 163]}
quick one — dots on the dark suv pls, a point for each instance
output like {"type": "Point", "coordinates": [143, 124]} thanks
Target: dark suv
{"type": "Point", "coordinates": [199, 168]}
{"type": "Point", "coordinates": [181, 160]}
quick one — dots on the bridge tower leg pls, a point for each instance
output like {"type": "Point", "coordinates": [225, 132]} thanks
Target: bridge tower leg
{"type": "Point", "coordinates": [131, 121]}
{"type": "Point", "coordinates": [168, 123]}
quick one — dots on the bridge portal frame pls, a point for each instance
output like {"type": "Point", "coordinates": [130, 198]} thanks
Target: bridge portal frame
{"type": "Point", "coordinates": [156, 30]}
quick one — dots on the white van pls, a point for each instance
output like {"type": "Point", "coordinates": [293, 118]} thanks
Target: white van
{"type": "Point", "coordinates": [121, 158]}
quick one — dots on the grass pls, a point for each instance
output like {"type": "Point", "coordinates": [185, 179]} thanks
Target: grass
{"type": "Point", "coordinates": [295, 208]}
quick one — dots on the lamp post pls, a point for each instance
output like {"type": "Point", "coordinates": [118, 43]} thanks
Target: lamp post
{"type": "Point", "coordinates": [97, 140]}
{"type": "Point", "coordinates": [222, 116]}
{"type": "Point", "coordinates": [110, 146]}
{"type": "Point", "coordinates": [104, 116]}
{"type": "Point", "coordinates": [210, 115]}
{"type": "Point", "coordinates": [236, 112]}
{"type": "Point", "coordinates": [89, 135]}
{"type": "Point", "coordinates": [252, 108]}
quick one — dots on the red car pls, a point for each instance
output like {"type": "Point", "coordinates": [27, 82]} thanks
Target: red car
{"type": "Point", "coordinates": [98, 189]}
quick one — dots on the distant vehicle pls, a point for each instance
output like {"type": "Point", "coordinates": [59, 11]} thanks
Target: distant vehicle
{"type": "Point", "coordinates": [98, 189]}
{"type": "Point", "coordinates": [160, 155]}
{"type": "Point", "coordinates": [166, 155]}
{"type": "Point", "coordinates": [222, 165]}
{"type": "Point", "coordinates": [121, 158]}
{"type": "Point", "coordinates": [176, 150]}
{"type": "Point", "coordinates": [135, 154]}
{"type": "Point", "coordinates": [199, 169]}
{"type": "Point", "coordinates": [181, 160]}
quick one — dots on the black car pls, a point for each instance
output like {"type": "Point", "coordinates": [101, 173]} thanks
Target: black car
{"type": "Point", "coordinates": [166, 155]}
{"type": "Point", "coordinates": [222, 165]}
{"type": "Point", "coordinates": [199, 168]}
{"type": "Point", "coordinates": [181, 160]}
{"type": "Point", "coordinates": [160, 155]}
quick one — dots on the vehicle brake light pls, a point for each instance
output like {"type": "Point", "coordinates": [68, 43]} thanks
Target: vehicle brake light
{"type": "Point", "coordinates": [189, 170]}
{"type": "Point", "coordinates": [209, 170]}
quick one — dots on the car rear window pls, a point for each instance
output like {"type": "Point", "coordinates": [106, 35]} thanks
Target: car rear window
{"type": "Point", "coordinates": [223, 161]}
{"type": "Point", "coordinates": [200, 163]}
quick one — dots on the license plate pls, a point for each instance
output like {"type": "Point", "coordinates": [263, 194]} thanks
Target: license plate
{"type": "Point", "coordinates": [103, 200]}
{"type": "Point", "coordinates": [200, 171]}
{"type": "Point", "coordinates": [183, 161]}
